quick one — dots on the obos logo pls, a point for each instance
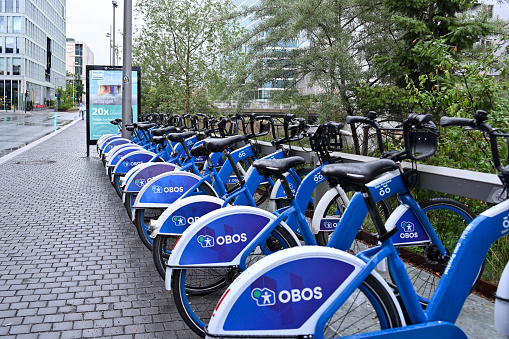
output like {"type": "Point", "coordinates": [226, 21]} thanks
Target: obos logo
{"type": "Point", "coordinates": [409, 230]}
{"type": "Point", "coordinates": [206, 241]}
{"type": "Point", "coordinates": [267, 297]}
{"type": "Point", "coordinates": [159, 189]}
{"type": "Point", "coordinates": [132, 164]}
{"type": "Point", "coordinates": [505, 224]}
{"type": "Point", "coordinates": [330, 224]}
{"type": "Point", "coordinates": [264, 297]}
{"type": "Point", "coordinates": [179, 221]}
{"type": "Point", "coordinates": [140, 182]}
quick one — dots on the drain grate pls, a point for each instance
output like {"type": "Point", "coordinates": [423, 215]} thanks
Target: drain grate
{"type": "Point", "coordinates": [35, 162]}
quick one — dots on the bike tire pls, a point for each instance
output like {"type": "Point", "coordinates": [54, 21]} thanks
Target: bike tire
{"type": "Point", "coordinates": [196, 301]}
{"type": "Point", "coordinates": [449, 218]}
{"type": "Point", "coordinates": [370, 308]}
{"type": "Point", "coordinates": [128, 203]}
{"type": "Point", "coordinates": [116, 185]}
{"type": "Point", "coordinates": [144, 215]}
{"type": "Point", "coordinates": [161, 250]}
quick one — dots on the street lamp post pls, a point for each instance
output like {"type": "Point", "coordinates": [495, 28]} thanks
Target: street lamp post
{"type": "Point", "coordinates": [108, 35]}
{"type": "Point", "coordinates": [115, 5]}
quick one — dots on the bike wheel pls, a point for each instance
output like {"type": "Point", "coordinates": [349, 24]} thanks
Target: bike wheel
{"type": "Point", "coordinates": [424, 263]}
{"type": "Point", "coordinates": [128, 203]}
{"type": "Point", "coordinates": [144, 215]}
{"type": "Point", "coordinates": [335, 209]}
{"type": "Point", "coordinates": [370, 308]}
{"type": "Point", "coordinates": [161, 250]}
{"type": "Point", "coordinates": [116, 184]}
{"type": "Point", "coordinates": [197, 291]}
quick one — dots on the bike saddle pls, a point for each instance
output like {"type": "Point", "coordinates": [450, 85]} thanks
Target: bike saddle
{"type": "Point", "coordinates": [178, 137]}
{"type": "Point", "coordinates": [199, 151]}
{"type": "Point", "coordinates": [145, 127]}
{"type": "Point", "coordinates": [159, 140]}
{"type": "Point", "coordinates": [357, 174]}
{"type": "Point", "coordinates": [219, 145]}
{"type": "Point", "coordinates": [163, 131]}
{"type": "Point", "coordinates": [276, 167]}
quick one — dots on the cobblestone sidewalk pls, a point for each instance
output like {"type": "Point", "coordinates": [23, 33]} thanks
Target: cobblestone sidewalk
{"type": "Point", "coordinates": [71, 262]}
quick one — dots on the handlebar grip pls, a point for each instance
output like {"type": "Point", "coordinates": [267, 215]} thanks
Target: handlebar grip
{"type": "Point", "coordinates": [418, 119]}
{"type": "Point", "coordinates": [352, 119]}
{"type": "Point", "coordinates": [289, 116]}
{"type": "Point", "coordinates": [452, 121]}
{"type": "Point", "coordinates": [335, 125]}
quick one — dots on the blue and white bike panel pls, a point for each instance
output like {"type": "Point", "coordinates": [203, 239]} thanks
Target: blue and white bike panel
{"type": "Point", "coordinates": [287, 293]}
{"type": "Point", "coordinates": [113, 143]}
{"type": "Point", "coordinates": [183, 213]}
{"type": "Point", "coordinates": [165, 189]}
{"type": "Point", "coordinates": [144, 173]}
{"type": "Point", "coordinates": [222, 238]}
{"type": "Point", "coordinates": [131, 160]}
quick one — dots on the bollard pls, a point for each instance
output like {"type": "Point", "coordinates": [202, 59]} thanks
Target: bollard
{"type": "Point", "coordinates": [55, 123]}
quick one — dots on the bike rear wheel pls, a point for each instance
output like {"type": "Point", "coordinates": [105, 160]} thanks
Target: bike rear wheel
{"type": "Point", "coordinates": [370, 308]}
{"type": "Point", "coordinates": [143, 216]}
{"type": "Point", "coordinates": [424, 264]}
{"type": "Point", "coordinates": [197, 291]}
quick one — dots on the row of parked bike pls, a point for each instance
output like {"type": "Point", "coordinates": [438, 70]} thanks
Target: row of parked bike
{"type": "Point", "coordinates": [193, 186]}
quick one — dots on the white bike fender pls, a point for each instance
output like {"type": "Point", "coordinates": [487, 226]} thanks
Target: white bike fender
{"type": "Point", "coordinates": [153, 195]}
{"type": "Point", "coordinates": [133, 174]}
{"type": "Point", "coordinates": [221, 237]}
{"type": "Point", "coordinates": [321, 209]}
{"type": "Point", "coordinates": [268, 293]}
{"type": "Point", "coordinates": [183, 213]}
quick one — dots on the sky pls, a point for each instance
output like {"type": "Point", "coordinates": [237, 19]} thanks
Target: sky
{"type": "Point", "coordinates": [88, 21]}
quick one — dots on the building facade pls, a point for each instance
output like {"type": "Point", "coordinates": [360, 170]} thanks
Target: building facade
{"type": "Point", "coordinates": [32, 51]}
{"type": "Point", "coordinates": [248, 22]}
{"type": "Point", "coordinates": [78, 55]}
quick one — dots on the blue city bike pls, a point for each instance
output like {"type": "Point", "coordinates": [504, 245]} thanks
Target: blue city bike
{"type": "Point", "coordinates": [186, 257]}
{"type": "Point", "coordinates": [214, 250]}
{"type": "Point", "coordinates": [163, 190]}
{"type": "Point", "coordinates": [170, 225]}
{"type": "Point", "coordinates": [325, 292]}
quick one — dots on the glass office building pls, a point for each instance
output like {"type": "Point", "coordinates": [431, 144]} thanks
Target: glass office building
{"type": "Point", "coordinates": [32, 51]}
{"type": "Point", "coordinates": [263, 93]}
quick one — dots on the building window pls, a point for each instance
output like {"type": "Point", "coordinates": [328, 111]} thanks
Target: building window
{"type": "Point", "coordinates": [78, 70]}
{"type": "Point", "coordinates": [9, 45]}
{"type": "Point", "coordinates": [16, 66]}
{"type": "Point", "coordinates": [78, 61]}
{"type": "Point", "coordinates": [1, 44]}
{"type": "Point", "coordinates": [2, 64]}
{"type": "Point", "coordinates": [8, 66]}
{"type": "Point", "coordinates": [2, 24]}
{"type": "Point", "coordinates": [17, 6]}
{"type": "Point", "coordinates": [9, 24]}
{"type": "Point", "coordinates": [16, 24]}
{"type": "Point", "coordinates": [78, 49]}
{"type": "Point", "coordinates": [8, 6]}
{"type": "Point", "coordinates": [18, 43]}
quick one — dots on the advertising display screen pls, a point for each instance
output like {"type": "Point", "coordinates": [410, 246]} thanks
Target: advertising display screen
{"type": "Point", "coordinates": [104, 99]}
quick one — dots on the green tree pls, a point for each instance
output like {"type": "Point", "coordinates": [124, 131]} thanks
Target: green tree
{"type": "Point", "coordinates": [417, 22]}
{"type": "Point", "coordinates": [180, 48]}
{"type": "Point", "coordinates": [341, 39]}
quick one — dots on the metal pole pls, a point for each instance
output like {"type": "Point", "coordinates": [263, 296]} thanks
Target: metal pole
{"type": "Point", "coordinates": [112, 63]}
{"type": "Point", "coordinates": [114, 47]}
{"type": "Point", "coordinates": [127, 113]}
